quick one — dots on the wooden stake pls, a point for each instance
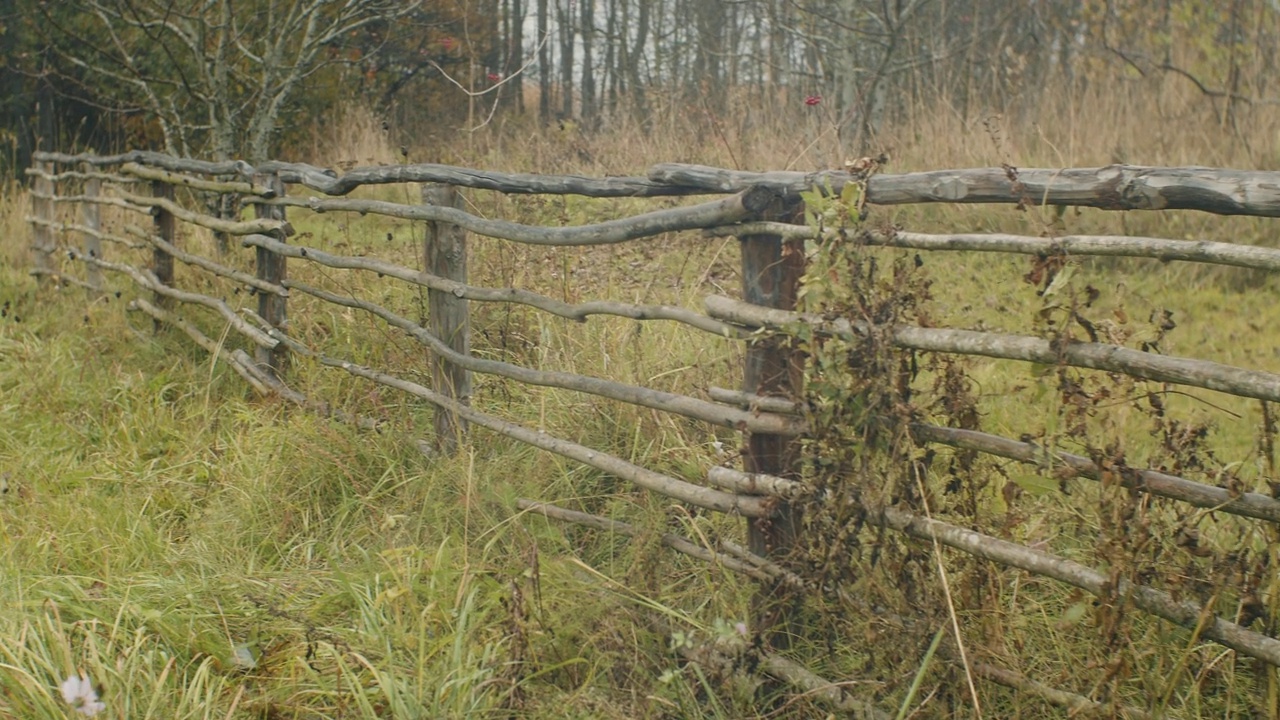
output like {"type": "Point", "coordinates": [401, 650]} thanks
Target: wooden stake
{"type": "Point", "coordinates": [42, 243]}
{"type": "Point", "coordinates": [444, 252]}
{"type": "Point", "coordinates": [165, 226]}
{"type": "Point", "coordinates": [271, 268]}
{"type": "Point", "coordinates": [771, 272]}
{"type": "Point", "coordinates": [91, 217]}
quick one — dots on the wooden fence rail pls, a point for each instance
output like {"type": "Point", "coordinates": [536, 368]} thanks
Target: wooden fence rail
{"type": "Point", "coordinates": [763, 210]}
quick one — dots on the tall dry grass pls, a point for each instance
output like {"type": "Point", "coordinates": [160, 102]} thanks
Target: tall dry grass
{"type": "Point", "coordinates": [1160, 120]}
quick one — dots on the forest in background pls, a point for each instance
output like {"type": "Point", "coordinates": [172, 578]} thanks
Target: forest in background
{"type": "Point", "coordinates": [259, 78]}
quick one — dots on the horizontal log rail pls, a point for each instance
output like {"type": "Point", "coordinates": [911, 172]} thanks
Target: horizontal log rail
{"type": "Point", "coordinates": [330, 183]}
{"type": "Point", "coordinates": [742, 206]}
{"type": "Point", "coordinates": [208, 265]}
{"type": "Point", "coordinates": [1248, 504]}
{"type": "Point", "coordinates": [214, 348]}
{"type": "Point", "coordinates": [146, 157]}
{"type": "Point", "coordinates": [1203, 251]}
{"type": "Point", "coordinates": [1201, 620]}
{"type": "Point", "coordinates": [85, 229]}
{"type": "Point", "coordinates": [680, 544]}
{"type": "Point", "coordinates": [1096, 356]}
{"type": "Point", "coordinates": [1209, 497]}
{"type": "Point", "coordinates": [323, 409]}
{"type": "Point", "coordinates": [92, 199]}
{"type": "Point", "coordinates": [146, 205]}
{"type": "Point", "coordinates": [666, 485]}
{"type": "Point", "coordinates": [172, 178]}
{"type": "Point", "coordinates": [145, 279]}
{"type": "Point", "coordinates": [753, 402]}
{"type": "Point", "coordinates": [504, 182]}
{"type": "Point", "coordinates": [756, 483]}
{"type": "Point", "coordinates": [576, 312]}
{"type": "Point", "coordinates": [1112, 187]}
{"type": "Point", "coordinates": [60, 278]}
{"type": "Point", "coordinates": [1076, 705]}
{"type": "Point", "coordinates": [685, 405]}
{"type": "Point", "coordinates": [79, 175]}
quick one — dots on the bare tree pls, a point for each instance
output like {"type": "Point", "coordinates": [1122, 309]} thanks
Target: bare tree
{"type": "Point", "coordinates": [216, 76]}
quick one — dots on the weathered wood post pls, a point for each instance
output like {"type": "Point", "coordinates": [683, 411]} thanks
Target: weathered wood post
{"type": "Point", "coordinates": [445, 255]}
{"type": "Point", "coordinates": [165, 226]}
{"type": "Point", "coordinates": [42, 242]}
{"type": "Point", "coordinates": [226, 210]}
{"type": "Point", "coordinates": [771, 273]}
{"type": "Point", "coordinates": [91, 218]}
{"type": "Point", "coordinates": [271, 267]}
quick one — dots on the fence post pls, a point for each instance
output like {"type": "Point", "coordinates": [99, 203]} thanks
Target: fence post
{"type": "Point", "coordinates": [445, 254]}
{"type": "Point", "coordinates": [165, 226]}
{"type": "Point", "coordinates": [226, 210]}
{"type": "Point", "coordinates": [42, 213]}
{"type": "Point", "coordinates": [771, 273]}
{"type": "Point", "coordinates": [91, 217]}
{"type": "Point", "coordinates": [271, 267]}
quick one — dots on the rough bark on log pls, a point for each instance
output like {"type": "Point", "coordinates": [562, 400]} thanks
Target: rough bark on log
{"type": "Point", "coordinates": [91, 217]}
{"type": "Point", "coordinates": [147, 281]}
{"type": "Point", "coordinates": [155, 159]}
{"type": "Point", "coordinates": [86, 230]}
{"type": "Point", "coordinates": [577, 312]}
{"type": "Point", "coordinates": [771, 274]}
{"type": "Point", "coordinates": [42, 240]}
{"type": "Point", "coordinates": [756, 483]}
{"type": "Point", "coordinates": [642, 477]}
{"type": "Point", "coordinates": [1249, 504]}
{"type": "Point", "coordinates": [1149, 366]}
{"type": "Point", "coordinates": [1204, 251]}
{"type": "Point", "coordinates": [681, 545]}
{"type": "Point", "coordinates": [754, 402]}
{"type": "Point", "coordinates": [632, 394]}
{"type": "Point", "coordinates": [37, 172]}
{"type": "Point", "coordinates": [206, 264]}
{"type": "Point", "coordinates": [744, 205]}
{"type": "Point", "coordinates": [147, 206]}
{"type": "Point", "coordinates": [1157, 602]}
{"type": "Point", "coordinates": [510, 183]}
{"type": "Point", "coordinates": [195, 183]}
{"type": "Point", "coordinates": [272, 269]}
{"type": "Point", "coordinates": [444, 251]}
{"type": "Point", "coordinates": [211, 346]}
{"type": "Point", "coordinates": [1113, 187]}
{"type": "Point", "coordinates": [164, 226]}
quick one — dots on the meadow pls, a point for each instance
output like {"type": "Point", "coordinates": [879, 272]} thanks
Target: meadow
{"type": "Point", "coordinates": [199, 552]}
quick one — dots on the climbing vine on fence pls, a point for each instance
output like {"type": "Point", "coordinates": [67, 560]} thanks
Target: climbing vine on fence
{"type": "Point", "coordinates": [862, 396]}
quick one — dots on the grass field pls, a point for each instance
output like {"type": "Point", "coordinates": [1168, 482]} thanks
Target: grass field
{"type": "Point", "coordinates": [201, 553]}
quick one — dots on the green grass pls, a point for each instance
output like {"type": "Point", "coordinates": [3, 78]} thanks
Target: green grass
{"type": "Point", "coordinates": [199, 552]}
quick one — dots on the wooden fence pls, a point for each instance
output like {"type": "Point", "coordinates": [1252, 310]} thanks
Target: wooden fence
{"type": "Point", "coordinates": [763, 210]}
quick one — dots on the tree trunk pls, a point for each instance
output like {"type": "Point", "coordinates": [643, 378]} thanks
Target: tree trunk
{"type": "Point", "coordinates": [544, 66]}
{"type": "Point", "coordinates": [588, 91]}
{"type": "Point", "coordinates": [564, 18]}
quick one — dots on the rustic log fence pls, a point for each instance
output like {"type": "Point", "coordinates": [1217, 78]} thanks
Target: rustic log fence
{"type": "Point", "coordinates": [763, 210]}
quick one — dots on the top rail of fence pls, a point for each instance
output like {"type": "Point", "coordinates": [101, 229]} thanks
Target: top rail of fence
{"type": "Point", "coordinates": [1112, 187]}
